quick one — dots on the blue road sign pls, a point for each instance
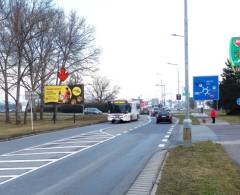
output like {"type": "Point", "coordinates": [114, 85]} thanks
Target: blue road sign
{"type": "Point", "coordinates": [238, 101]}
{"type": "Point", "coordinates": [205, 88]}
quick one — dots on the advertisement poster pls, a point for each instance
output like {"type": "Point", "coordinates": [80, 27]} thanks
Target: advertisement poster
{"type": "Point", "coordinates": [64, 94]}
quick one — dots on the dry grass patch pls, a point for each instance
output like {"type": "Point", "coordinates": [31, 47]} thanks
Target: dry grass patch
{"type": "Point", "coordinates": [12, 130]}
{"type": "Point", "coordinates": [203, 168]}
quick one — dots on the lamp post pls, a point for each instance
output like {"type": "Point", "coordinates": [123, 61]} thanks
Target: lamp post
{"type": "Point", "coordinates": [172, 64]}
{"type": "Point", "coordinates": [187, 122]}
{"type": "Point", "coordinates": [187, 137]}
{"type": "Point", "coordinates": [164, 92]}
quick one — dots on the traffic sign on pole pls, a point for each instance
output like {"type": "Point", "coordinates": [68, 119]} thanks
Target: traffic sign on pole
{"type": "Point", "coordinates": [205, 88]}
{"type": "Point", "coordinates": [30, 95]}
{"type": "Point", "coordinates": [238, 101]}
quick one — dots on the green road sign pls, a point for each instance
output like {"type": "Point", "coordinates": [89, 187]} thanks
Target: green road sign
{"type": "Point", "coordinates": [235, 52]}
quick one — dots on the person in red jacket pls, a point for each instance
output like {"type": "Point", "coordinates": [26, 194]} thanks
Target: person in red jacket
{"type": "Point", "coordinates": [213, 115]}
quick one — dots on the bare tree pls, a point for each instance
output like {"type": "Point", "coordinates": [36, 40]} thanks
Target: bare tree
{"type": "Point", "coordinates": [6, 62]}
{"type": "Point", "coordinates": [100, 90]}
{"type": "Point", "coordinates": [36, 41]}
{"type": "Point", "coordinates": [75, 46]}
{"type": "Point", "coordinates": [76, 50]}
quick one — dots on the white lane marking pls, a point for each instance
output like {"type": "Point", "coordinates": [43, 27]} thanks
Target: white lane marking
{"type": "Point", "coordinates": [48, 148]}
{"type": "Point", "coordinates": [17, 168]}
{"type": "Point", "coordinates": [33, 153]}
{"type": "Point", "coordinates": [125, 131]}
{"type": "Point", "coordinates": [54, 140]}
{"type": "Point", "coordinates": [51, 162]}
{"type": "Point", "coordinates": [73, 141]}
{"type": "Point", "coordinates": [161, 145]}
{"type": "Point", "coordinates": [34, 160]}
{"type": "Point", "coordinates": [164, 140]}
{"type": "Point", "coordinates": [4, 176]}
{"type": "Point", "coordinates": [166, 136]}
{"type": "Point", "coordinates": [169, 132]}
{"type": "Point", "coordinates": [118, 134]}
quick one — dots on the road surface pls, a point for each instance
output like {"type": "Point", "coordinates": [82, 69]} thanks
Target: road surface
{"type": "Point", "coordinates": [99, 159]}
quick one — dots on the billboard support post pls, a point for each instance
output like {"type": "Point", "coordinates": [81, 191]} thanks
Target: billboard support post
{"type": "Point", "coordinates": [74, 117]}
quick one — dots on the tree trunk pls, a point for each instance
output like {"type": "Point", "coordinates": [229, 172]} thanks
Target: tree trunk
{"type": "Point", "coordinates": [25, 113]}
{"type": "Point", "coordinates": [17, 113]}
{"type": "Point", "coordinates": [42, 99]}
{"type": "Point", "coordinates": [7, 120]}
{"type": "Point", "coordinates": [34, 109]}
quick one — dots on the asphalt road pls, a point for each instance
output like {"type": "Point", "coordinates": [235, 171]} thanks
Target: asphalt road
{"type": "Point", "coordinates": [99, 159]}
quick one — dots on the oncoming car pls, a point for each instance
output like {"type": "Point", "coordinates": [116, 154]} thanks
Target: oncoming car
{"type": "Point", "coordinates": [92, 111]}
{"type": "Point", "coordinates": [163, 116]}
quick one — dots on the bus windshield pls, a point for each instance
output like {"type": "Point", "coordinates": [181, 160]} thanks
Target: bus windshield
{"type": "Point", "coordinates": [120, 108]}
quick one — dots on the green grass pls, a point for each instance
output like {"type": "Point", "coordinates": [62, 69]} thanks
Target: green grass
{"type": "Point", "coordinates": [230, 119]}
{"type": "Point", "coordinates": [203, 168]}
{"type": "Point", "coordinates": [64, 121]}
{"type": "Point", "coordinates": [181, 117]}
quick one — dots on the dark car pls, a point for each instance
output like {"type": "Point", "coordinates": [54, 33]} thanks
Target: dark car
{"type": "Point", "coordinates": [164, 116]}
{"type": "Point", "coordinates": [155, 111]}
{"type": "Point", "coordinates": [92, 111]}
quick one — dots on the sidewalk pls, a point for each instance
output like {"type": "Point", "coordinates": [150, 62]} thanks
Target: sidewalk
{"type": "Point", "coordinates": [204, 119]}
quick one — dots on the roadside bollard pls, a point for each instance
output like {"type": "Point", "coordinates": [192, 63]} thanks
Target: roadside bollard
{"type": "Point", "coordinates": [187, 135]}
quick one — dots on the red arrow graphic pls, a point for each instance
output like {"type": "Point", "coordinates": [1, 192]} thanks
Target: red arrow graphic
{"type": "Point", "coordinates": [62, 74]}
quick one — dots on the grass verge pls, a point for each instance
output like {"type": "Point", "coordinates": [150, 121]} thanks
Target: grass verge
{"type": "Point", "coordinates": [203, 168]}
{"type": "Point", "coordinates": [230, 119]}
{"type": "Point", "coordinates": [181, 117]}
{"type": "Point", "coordinates": [8, 131]}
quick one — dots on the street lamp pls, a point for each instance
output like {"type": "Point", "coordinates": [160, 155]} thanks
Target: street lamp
{"type": "Point", "coordinates": [187, 136]}
{"type": "Point", "coordinates": [187, 121]}
{"type": "Point", "coordinates": [172, 64]}
{"type": "Point", "coordinates": [164, 92]}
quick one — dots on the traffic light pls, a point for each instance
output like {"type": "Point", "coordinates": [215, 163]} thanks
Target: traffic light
{"type": "Point", "coordinates": [178, 96]}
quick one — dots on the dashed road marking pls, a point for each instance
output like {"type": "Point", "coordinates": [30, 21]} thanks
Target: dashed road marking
{"type": "Point", "coordinates": [167, 136]}
{"type": "Point", "coordinates": [161, 145]}
{"type": "Point", "coordinates": [164, 140]}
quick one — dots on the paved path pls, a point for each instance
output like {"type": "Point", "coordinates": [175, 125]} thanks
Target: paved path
{"type": "Point", "coordinates": [229, 137]}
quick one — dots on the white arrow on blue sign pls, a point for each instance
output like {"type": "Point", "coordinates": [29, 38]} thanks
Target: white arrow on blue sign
{"type": "Point", "coordinates": [238, 101]}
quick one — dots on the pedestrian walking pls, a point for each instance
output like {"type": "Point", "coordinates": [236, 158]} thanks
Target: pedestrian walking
{"type": "Point", "coordinates": [213, 115]}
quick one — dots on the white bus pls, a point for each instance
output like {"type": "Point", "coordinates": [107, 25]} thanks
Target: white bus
{"type": "Point", "coordinates": [122, 110]}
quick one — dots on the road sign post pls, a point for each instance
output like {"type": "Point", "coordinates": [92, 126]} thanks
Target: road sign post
{"type": "Point", "coordinates": [30, 96]}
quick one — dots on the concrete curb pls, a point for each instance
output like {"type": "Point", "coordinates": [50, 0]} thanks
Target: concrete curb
{"type": "Point", "coordinates": [155, 186]}
{"type": "Point", "coordinates": [147, 178]}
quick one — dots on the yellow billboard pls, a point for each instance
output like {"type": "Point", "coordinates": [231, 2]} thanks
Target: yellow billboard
{"type": "Point", "coordinates": [63, 94]}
